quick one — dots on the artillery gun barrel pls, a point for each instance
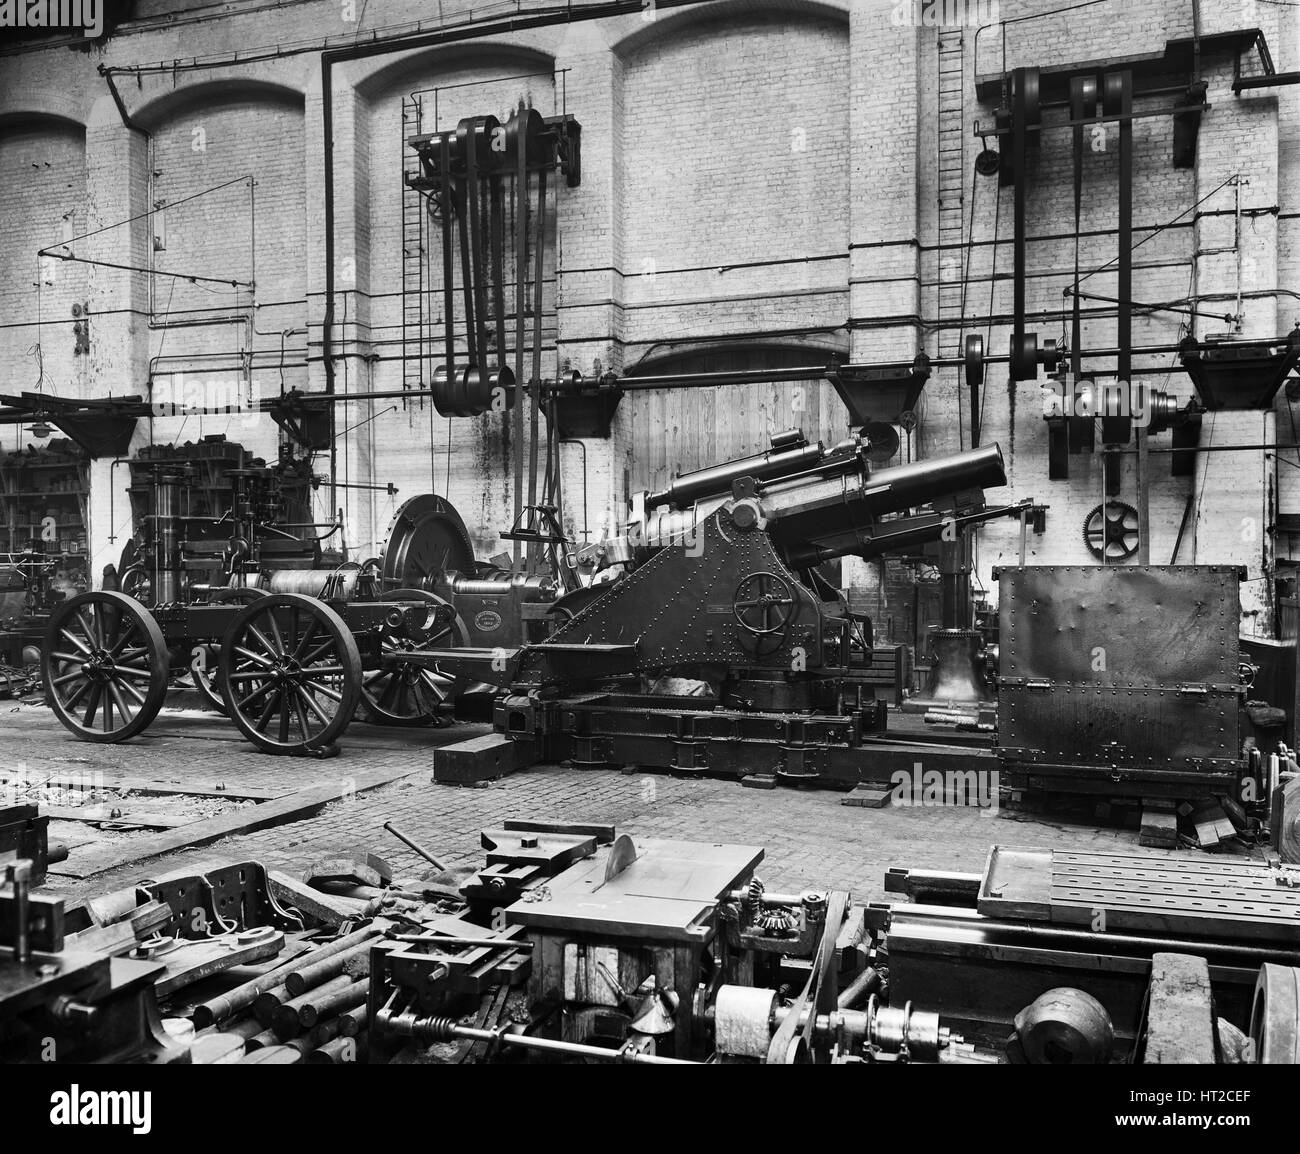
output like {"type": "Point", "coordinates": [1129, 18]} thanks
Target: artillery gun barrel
{"type": "Point", "coordinates": [806, 512]}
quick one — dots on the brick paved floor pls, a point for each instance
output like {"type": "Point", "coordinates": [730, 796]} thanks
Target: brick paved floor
{"type": "Point", "coordinates": [811, 839]}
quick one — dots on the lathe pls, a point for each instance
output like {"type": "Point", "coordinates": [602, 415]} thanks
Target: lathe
{"type": "Point", "coordinates": [708, 637]}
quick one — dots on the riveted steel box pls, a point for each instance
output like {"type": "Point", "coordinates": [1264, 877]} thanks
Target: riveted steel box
{"type": "Point", "coordinates": [1119, 674]}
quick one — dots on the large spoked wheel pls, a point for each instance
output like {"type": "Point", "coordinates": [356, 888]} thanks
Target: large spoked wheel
{"type": "Point", "coordinates": [413, 694]}
{"type": "Point", "coordinates": [205, 668]}
{"type": "Point", "coordinates": [290, 674]}
{"type": "Point", "coordinates": [105, 666]}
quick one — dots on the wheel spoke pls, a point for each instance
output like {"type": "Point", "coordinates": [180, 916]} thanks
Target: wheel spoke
{"type": "Point", "coordinates": [271, 650]}
{"type": "Point", "coordinates": [121, 639]}
{"type": "Point", "coordinates": [333, 695]}
{"type": "Point", "coordinates": [134, 692]}
{"type": "Point", "coordinates": [266, 687]}
{"type": "Point", "coordinates": [284, 719]}
{"type": "Point", "coordinates": [67, 677]}
{"type": "Point", "coordinates": [92, 632]}
{"type": "Point", "coordinates": [70, 702]}
{"type": "Point", "coordinates": [275, 631]}
{"type": "Point", "coordinates": [270, 709]}
{"type": "Point", "coordinates": [123, 712]}
{"type": "Point", "coordinates": [129, 671]}
{"type": "Point", "coordinates": [318, 652]}
{"type": "Point", "coordinates": [325, 670]}
{"type": "Point", "coordinates": [313, 627]}
{"type": "Point", "coordinates": [307, 700]}
{"type": "Point", "coordinates": [302, 717]}
{"type": "Point", "coordinates": [249, 655]}
{"type": "Point", "coordinates": [92, 702]}
{"type": "Point", "coordinates": [85, 649]}
{"type": "Point", "coordinates": [393, 690]}
{"type": "Point", "coordinates": [70, 658]}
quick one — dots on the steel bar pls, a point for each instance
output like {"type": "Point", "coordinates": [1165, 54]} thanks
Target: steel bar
{"type": "Point", "coordinates": [320, 1007]}
{"type": "Point", "coordinates": [293, 1015]}
{"type": "Point", "coordinates": [486, 943]}
{"type": "Point", "coordinates": [339, 1051]}
{"type": "Point", "coordinates": [232, 1001]}
{"type": "Point", "coordinates": [323, 968]}
{"type": "Point", "coordinates": [521, 263]}
{"type": "Point", "coordinates": [352, 1022]}
{"type": "Point", "coordinates": [266, 1003]}
{"type": "Point", "coordinates": [864, 984]}
{"type": "Point", "coordinates": [424, 853]}
{"type": "Point", "coordinates": [576, 1049]}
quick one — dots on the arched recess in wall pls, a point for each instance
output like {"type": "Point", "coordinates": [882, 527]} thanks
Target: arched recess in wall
{"type": "Point", "coordinates": [734, 218]}
{"type": "Point", "coordinates": [466, 459]}
{"type": "Point", "coordinates": [424, 93]}
{"type": "Point", "coordinates": [205, 139]}
{"type": "Point", "coordinates": [43, 167]}
{"type": "Point", "coordinates": [676, 431]}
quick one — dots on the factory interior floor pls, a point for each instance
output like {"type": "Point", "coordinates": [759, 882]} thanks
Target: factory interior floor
{"type": "Point", "coordinates": [812, 839]}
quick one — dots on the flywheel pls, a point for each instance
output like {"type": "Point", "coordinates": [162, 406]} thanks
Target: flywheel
{"type": "Point", "coordinates": [427, 537]}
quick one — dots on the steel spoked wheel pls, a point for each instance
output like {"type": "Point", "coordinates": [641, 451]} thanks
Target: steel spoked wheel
{"type": "Point", "coordinates": [414, 694]}
{"type": "Point", "coordinates": [290, 673]}
{"type": "Point", "coordinates": [105, 666]}
{"type": "Point", "coordinates": [205, 668]}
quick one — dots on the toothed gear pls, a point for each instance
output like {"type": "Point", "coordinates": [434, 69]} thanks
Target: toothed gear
{"type": "Point", "coordinates": [1111, 531]}
{"type": "Point", "coordinates": [754, 899]}
{"type": "Point", "coordinates": [776, 921]}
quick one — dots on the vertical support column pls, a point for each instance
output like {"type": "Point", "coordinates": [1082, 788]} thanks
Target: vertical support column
{"type": "Point", "coordinates": [117, 165]}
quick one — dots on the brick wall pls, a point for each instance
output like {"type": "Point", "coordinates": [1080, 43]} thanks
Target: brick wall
{"type": "Point", "coordinates": [716, 139]}
{"type": "Point", "coordinates": [42, 200]}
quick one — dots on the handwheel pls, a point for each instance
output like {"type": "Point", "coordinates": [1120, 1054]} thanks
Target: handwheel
{"type": "Point", "coordinates": [413, 694]}
{"type": "Point", "coordinates": [105, 666]}
{"type": "Point", "coordinates": [204, 659]}
{"type": "Point", "coordinates": [290, 673]}
{"type": "Point", "coordinates": [763, 604]}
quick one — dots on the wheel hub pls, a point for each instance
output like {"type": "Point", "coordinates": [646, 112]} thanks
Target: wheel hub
{"type": "Point", "coordinates": [285, 669]}
{"type": "Point", "coordinates": [99, 665]}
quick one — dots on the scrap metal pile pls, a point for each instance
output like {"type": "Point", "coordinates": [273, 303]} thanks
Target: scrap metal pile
{"type": "Point", "coordinates": [574, 943]}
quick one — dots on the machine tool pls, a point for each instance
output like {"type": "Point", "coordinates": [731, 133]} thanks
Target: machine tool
{"type": "Point", "coordinates": [580, 943]}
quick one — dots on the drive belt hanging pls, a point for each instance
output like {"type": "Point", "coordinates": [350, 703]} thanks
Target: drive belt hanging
{"type": "Point", "coordinates": [1083, 105]}
{"type": "Point", "coordinates": [1118, 429]}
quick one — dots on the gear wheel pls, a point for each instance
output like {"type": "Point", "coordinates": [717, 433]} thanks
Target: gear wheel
{"type": "Point", "coordinates": [1111, 531]}
{"type": "Point", "coordinates": [777, 922]}
{"type": "Point", "coordinates": [754, 899]}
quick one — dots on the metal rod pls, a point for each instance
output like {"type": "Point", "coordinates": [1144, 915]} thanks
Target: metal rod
{"type": "Point", "coordinates": [424, 853]}
{"type": "Point", "coordinates": [865, 983]}
{"type": "Point", "coordinates": [576, 1049]}
{"type": "Point", "coordinates": [521, 263]}
{"type": "Point", "coordinates": [485, 943]}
